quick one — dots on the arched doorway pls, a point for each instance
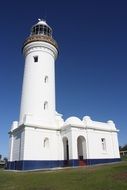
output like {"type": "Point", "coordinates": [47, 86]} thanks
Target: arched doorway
{"type": "Point", "coordinates": [81, 149]}
{"type": "Point", "coordinates": [66, 151]}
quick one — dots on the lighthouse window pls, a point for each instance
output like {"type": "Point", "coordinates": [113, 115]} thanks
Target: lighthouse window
{"type": "Point", "coordinates": [45, 30]}
{"type": "Point", "coordinates": [49, 32]}
{"type": "Point", "coordinates": [34, 30]}
{"type": "Point", "coordinates": [41, 29]}
{"type": "Point", "coordinates": [46, 143]}
{"type": "Point", "coordinates": [37, 30]}
{"type": "Point", "coordinates": [46, 79]}
{"type": "Point", "coordinates": [103, 142]}
{"type": "Point", "coordinates": [45, 105]}
{"type": "Point", "coordinates": [35, 58]}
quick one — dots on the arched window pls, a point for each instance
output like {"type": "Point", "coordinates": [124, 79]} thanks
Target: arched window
{"type": "Point", "coordinates": [45, 105]}
{"type": "Point", "coordinates": [103, 142]}
{"type": "Point", "coordinates": [46, 79]}
{"type": "Point", "coordinates": [46, 143]}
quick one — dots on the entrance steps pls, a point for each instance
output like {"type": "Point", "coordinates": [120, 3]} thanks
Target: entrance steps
{"type": "Point", "coordinates": [82, 163]}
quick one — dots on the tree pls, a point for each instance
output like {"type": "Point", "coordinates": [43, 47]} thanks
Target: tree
{"type": "Point", "coordinates": [120, 148]}
{"type": "Point", "coordinates": [124, 147]}
{"type": "Point", "coordinates": [5, 159]}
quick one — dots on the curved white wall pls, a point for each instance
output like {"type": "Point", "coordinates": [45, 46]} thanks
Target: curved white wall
{"type": "Point", "coordinates": [35, 91]}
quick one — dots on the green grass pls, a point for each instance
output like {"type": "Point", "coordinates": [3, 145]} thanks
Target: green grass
{"type": "Point", "coordinates": [124, 158]}
{"type": "Point", "coordinates": [106, 177]}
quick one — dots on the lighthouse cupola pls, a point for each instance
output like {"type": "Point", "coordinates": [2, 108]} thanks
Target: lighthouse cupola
{"type": "Point", "coordinates": [41, 28]}
{"type": "Point", "coordinates": [41, 31]}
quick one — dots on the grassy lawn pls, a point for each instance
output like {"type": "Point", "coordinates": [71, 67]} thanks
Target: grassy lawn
{"type": "Point", "coordinates": [106, 177]}
{"type": "Point", "coordinates": [124, 158]}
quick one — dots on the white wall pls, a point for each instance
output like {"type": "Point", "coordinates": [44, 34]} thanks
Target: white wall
{"type": "Point", "coordinates": [16, 142]}
{"type": "Point", "coordinates": [95, 145]}
{"type": "Point", "coordinates": [10, 147]}
{"type": "Point", "coordinates": [34, 144]}
{"type": "Point", "coordinates": [115, 143]}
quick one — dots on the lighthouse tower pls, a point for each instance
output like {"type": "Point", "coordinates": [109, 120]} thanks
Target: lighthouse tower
{"type": "Point", "coordinates": [38, 92]}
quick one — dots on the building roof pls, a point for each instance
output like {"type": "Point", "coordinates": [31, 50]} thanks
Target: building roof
{"type": "Point", "coordinates": [74, 121]}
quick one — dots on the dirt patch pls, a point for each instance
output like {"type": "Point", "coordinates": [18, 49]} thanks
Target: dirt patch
{"type": "Point", "coordinates": [121, 176]}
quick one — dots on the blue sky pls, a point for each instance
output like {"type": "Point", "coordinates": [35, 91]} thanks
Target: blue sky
{"type": "Point", "coordinates": [91, 70]}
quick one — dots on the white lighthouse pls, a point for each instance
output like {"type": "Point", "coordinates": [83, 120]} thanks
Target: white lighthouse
{"type": "Point", "coordinates": [38, 93]}
{"type": "Point", "coordinates": [41, 138]}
